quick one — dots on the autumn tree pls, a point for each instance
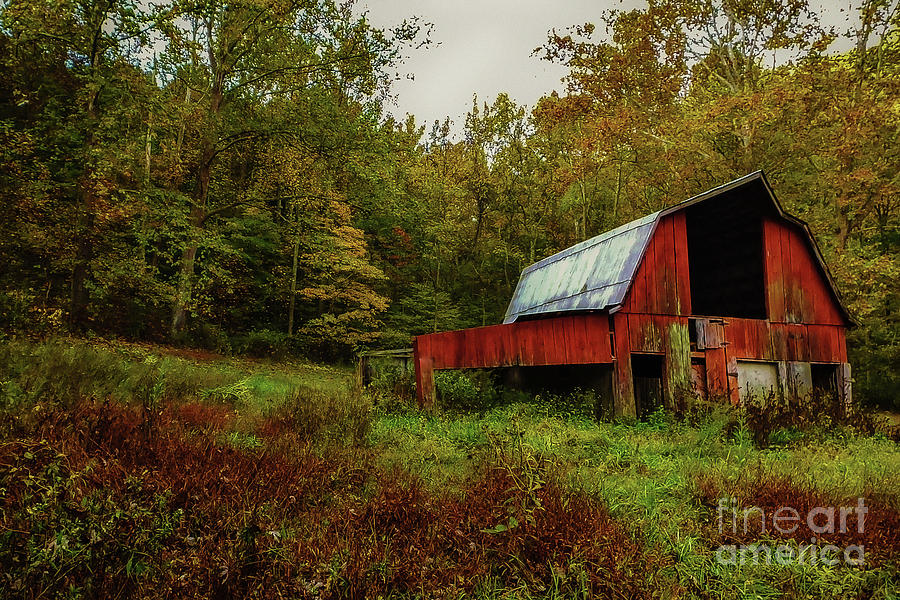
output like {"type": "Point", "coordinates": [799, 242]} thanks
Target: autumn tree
{"type": "Point", "coordinates": [72, 106]}
{"type": "Point", "coordinates": [242, 57]}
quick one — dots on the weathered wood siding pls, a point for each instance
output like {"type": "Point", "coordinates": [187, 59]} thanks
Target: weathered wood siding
{"type": "Point", "coordinates": [568, 340]}
{"type": "Point", "coordinates": [653, 319]}
{"type": "Point", "coordinates": [662, 284]}
{"type": "Point", "coordinates": [665, 335]}
{"type": "Point", "coordinates": [796, 289]}
{"type": "Point", "coordinates": [792, 345]}
{"type": "Point", "coordinates": [763, 340]}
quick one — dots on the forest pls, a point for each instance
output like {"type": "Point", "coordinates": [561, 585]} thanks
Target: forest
{"type": "Point", "coordinates": [228, 175]}
{"type": "Point", "coordinates": [208, 210]}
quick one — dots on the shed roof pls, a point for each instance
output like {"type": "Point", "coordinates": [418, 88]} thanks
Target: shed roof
{"type": "Point", "coordinates": [595, 275]}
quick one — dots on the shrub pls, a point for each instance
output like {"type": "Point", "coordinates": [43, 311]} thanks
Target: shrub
{"type": "Point", "coordinates": [755, 487]}
{"type": "Point", "coordinates": [578, 404]}
{"type": "Point", "coordinates": [236, 394]}
{"type": "Point", "coordinates": [210, 337]}
{"type": "Point", "coordinates": [66, 537]}
{"type": "Point", "coordinates": [766, 414]}
{"type": "Point", "coordinates": [14, 309]}
{"type": "Point", "coordinates": [64, 373]}
{"type": "Point", "coordinates": [467, 391]}
{"type": "Point", "coordinates": [392, 380]}
{"type": "Point", "coordinates": [262, 343]}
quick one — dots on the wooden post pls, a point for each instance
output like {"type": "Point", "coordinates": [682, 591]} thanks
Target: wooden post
{"type": "Point", "coordinates": [361, 368]}
{"type": "Point", "coordinates": [716, 375]}
{"type": "Point", "coordinates": [734, 389]}
{"type": "Point", "coordinates": [785, 385]}
{"type": "Point", "coordinates": [710, 337]}
{"type": "Point", "coordinates": [845, 392]}
{"type": "Point", "coordinates": [424, 377]}
{"type": "Point", "coordinates": [624, 398]}
{"type": "Point", "coordinates": [678, 363]}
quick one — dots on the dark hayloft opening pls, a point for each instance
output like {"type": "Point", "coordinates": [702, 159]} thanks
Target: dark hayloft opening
{"type": "Point", "coordinates": [725, 254]}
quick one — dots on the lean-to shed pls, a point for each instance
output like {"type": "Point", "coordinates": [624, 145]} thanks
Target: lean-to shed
{"type": "Point", "coordinates": [722, 295]}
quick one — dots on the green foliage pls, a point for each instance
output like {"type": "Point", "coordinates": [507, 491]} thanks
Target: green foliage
{"type": "Point", "coordinates": [391, 381]}
{"type": "Point", "coordinates": [242, 441]}
{"type": "Point", "coordinates": [60, 373]}
{"type": "Point", "coordinates": [466, 391]}
{"type": "Point", "coordinates": [262, 343]}
{"type": "Point", "coordinates": [283, 212]}
{"type": "Point", "coordinates": [770, 419]}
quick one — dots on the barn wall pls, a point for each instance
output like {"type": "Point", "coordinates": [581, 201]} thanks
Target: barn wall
{"type": "Point", "coordinates": [762, 340]}
{"type": "Point", "coordinates": [723, 344]}
{"type": "Point", "coordinates": [789, 347]}
{"type": "Point", "coordinates": [805, 326]}
{"type": "Point", "coordinates": [653, 319]}
{"type": "Point", "coordinates": [572, 340]}
{"type": "Point", "coordinates": [664, 335]}
{"type": "Point", "coordinates": [796, 289]}
{"type": "Point", "coordinates": [662, 284]}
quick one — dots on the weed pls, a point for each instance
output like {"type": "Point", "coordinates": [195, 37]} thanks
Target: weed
{"type": "Point", "coordinates": [126, 480]}
{"type": "Point", "coordinates": [318, 416]}
{"type": "Point", "coordinates": [878, 531]}
{"type": "Point", "coordinates": [766, 415]}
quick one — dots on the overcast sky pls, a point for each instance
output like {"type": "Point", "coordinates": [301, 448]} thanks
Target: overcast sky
{"type": "Point", "coordinates": [484, 47]}
{"type": "Point", "coordinates": [479, 46]}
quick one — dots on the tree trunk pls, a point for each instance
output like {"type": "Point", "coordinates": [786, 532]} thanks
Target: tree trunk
{"type": "Point", "coordinates": [293, 287]}
{"type": "Point", "coordinates": [148, 142]}
{"type": "Point", "coordinates": [185, 285]}
{"type": "Point", "coordinates": [615, 222]}
{"type": "Point", "coordinates": [199, 214]}
{"type": "Point", "coordinates": [78, 298]}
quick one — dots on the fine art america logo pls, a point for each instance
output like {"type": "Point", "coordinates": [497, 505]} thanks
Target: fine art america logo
{"type": "Point", "coordinates": [785, 522]}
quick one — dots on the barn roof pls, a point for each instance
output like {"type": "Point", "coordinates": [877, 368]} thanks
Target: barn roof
{"type": "Point", "coordinates": [595, 275]}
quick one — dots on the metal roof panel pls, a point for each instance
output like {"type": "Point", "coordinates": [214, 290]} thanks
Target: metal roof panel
{"type": "Point", "coordinates": [591, 275]}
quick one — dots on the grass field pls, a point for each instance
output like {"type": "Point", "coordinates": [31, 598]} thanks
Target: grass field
{"type": "Point", "coordinates": [140, 471]}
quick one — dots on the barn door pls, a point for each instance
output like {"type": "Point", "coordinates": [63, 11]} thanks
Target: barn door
{"type": "Point", "coordinates": [647, 370]}
{"type": "Point", "coordinates": [758, 380]}
{"type": "Point", "coordinates": [698, 378]}
{"type": "Point", "coordinates": [709, 336]}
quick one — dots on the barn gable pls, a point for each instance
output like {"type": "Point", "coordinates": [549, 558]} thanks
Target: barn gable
{"type": "Point", "coordinates": [736, 232]}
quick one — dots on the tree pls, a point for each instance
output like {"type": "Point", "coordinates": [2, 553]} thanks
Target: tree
{"type": "Point", "coordinates": [74, 93]}
{"type": "Point", "coordinates": [243, 57]}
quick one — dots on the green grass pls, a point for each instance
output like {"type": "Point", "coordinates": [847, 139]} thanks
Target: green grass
{"type": "Point", "coordinates": [644, 473]}
{"type": "Point", "coordinates": [64, 370]}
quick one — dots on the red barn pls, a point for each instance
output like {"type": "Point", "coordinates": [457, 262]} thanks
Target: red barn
{"type": "Point", "coordinates": [721, 295]}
